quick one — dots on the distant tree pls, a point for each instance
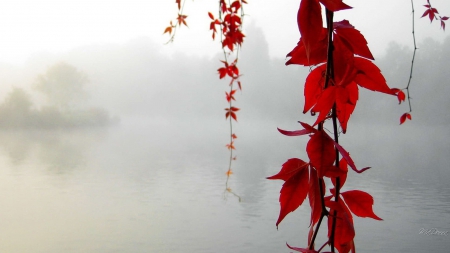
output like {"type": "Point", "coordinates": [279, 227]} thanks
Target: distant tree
{"type": "Point", "coordinates": [63, 86]}
{"type": "Point", "coordinates": [18, 101]}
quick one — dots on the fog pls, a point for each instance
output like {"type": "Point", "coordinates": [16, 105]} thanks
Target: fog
{"type": "Point", "coordinates": [169, 110]}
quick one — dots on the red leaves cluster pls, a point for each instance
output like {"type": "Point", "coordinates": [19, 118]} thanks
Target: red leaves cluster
{"type": "Point", "coordinates": [303, 179]}
{"type": "Point", "coordinates": [331, 90]}
{"type": "Point", "coordinates": [352, 67]}
{"type": "Point", "coordinates": [433, 13]}
{"type": "Point", "coordinates": [230, 24]}
{"type": "Point", "coordinates": [180, 20]}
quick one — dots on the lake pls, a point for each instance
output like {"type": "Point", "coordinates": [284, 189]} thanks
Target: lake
{"type": "Point", "coordinates": [159, 186]}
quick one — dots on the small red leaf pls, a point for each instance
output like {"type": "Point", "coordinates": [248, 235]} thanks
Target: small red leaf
{"type": "Point", "coordinates": [405, 116]}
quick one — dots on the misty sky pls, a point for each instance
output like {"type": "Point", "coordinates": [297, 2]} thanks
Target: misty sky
{"type": "Point", "coordinates": [56, 26]}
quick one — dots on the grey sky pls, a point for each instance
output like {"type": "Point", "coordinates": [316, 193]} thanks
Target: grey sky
{"type": "Point", "coordinates": [30, 26]}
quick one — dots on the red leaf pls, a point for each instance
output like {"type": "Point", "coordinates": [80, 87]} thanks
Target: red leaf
{"type": "Point", "coordinates": [354, 38]}
{"type": "Point", "coordinates": [290, 168]}
{"type": "Point", "coordinates": [343, 56]}
{"type": "Point", "coordinates": [296, 175]}
{"type": "Point", "coordinates": [182, 19]}
{"type": "Point", "coordinates": [344, 230]}
{"type": "Point", "coordinates": [345, 108]}
{"type": "Point", "coordinates": [230, 112]}
{"type": "Point", "coordinates": [400, 95]}
{"type": "Point", "coordinates": [293, 133]}
{"type": "Point", "coordinates": [360, 203]}
{"type": "Point", "coordinates": [317, 54]}
{"type": "Point", "coordinates": [230, 146]}
{"type": "Point", "coordinates": [369, 76]}
{"type": "Point", "coordinates": [321, 152]}
{"type": "Point", "coordinates": [178, 2]}
{"type": "Point", "coordinates": [313, 86]}
{"type": "Point", "coordinates": [301, 249]}
{"type": "Point", "coordinates": [405, 116]}
{"type": "Point", "coordinates": [334, 5]}
{"type": "Point", "coordinates": [308, 127]}
{"type": "Point", "coordinates": [168, 30]}
{"type": "Point", "coordinates": [236, 5]}
{"type": "Point", "coordinates": [314, 197]}
{"type": "Point", "coordinates": [325, 103]}
{"type": "Point", "coordinates": [309, 19]}
{"type": "Point", "coordinates": [229, 96]}
{"type": "Point", "coordinates": [347, 157]}
{"type": "Point", "coordinates": [343, 171]}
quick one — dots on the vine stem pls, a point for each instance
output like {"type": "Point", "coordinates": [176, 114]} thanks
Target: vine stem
{"type": "Point", "coordinates": [329, 75]}
{"type": "Point", "coordinates": [413, 57]}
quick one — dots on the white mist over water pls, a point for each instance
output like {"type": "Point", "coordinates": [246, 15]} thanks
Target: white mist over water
{"type": "Point", "coordinates": [135, 188]}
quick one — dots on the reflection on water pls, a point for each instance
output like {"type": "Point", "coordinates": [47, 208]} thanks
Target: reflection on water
{"type": "Point", "coordinates": [133, 189]}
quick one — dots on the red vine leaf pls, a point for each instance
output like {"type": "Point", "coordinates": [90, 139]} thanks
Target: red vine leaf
{"type": "Point", "coordinates": [309, 19]}
{"type": "Point", "coordinates": [344, 108]}
{"type": "Point", "coordinates": [290, 168]}
{"type": "Point", "coordinates": [400, 95]}
{"type": "Point", "coordinates": [353, 38]}
{"type": "Point", "coordinates": [343, 169]}
{"type": "Point", "coordinates": [229, 96]}
{"type": "Point", "coordinates": [321, 152]}
{"type": "Point", "coordinates": [335, 5]}
{"type": "Point", "coordinates": [369, 76]}
{"type": "Point", "coordinates": [405, 116]}
{"type": "Point", "coordinates": [360, 203]}
{"type": "Point", "coordinates": [430, 12]}
{"type": "Point", "coordinates": [308, 129]}
{"type": "Point", "coordinates": [182, 19]}
{"type": "Point", "coordinates": [168, 30]}
{"type": "Point", "coordinates": [313, 86]}
{"type": "Point", "coordinates": [347, 157]}
{"type": "Point", "coordinates": [325, 103]}
{"type": "Point", "coordinates": [314, 197]}
{"type": "Point", "coordinates": [344, 231]}
{"type": "Point", "coordinates": [231, 112]}
{"type": "Point", "coordinates": [317, 52]}
{"type": "Point", "coordinates": [301, 249]}
{"type": "Point", "coordinates": [295, 173]}
{"type": "Point", "coordinates": [230, 146]}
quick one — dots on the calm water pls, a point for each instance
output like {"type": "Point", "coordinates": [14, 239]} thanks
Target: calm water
{"type": "Point", "coordinates": [159, 187]}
